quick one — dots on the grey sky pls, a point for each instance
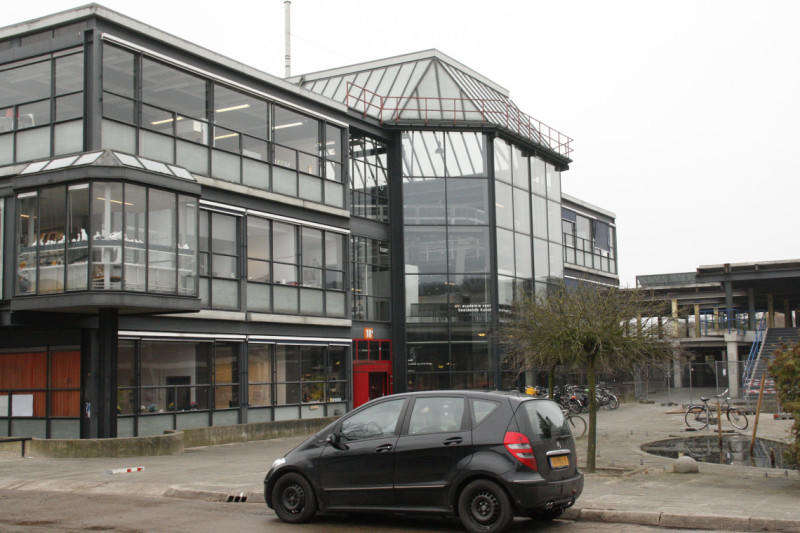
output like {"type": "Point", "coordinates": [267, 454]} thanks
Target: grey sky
{"type": "Point", "coordinates": [684, 114]}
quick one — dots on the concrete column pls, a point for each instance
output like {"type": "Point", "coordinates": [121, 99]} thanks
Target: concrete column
{"type": "Point", "coordinates": [677, 374]}
{"type": "Point", "coordinates": [787, 314]}
{"type": "Point", "coordinates": [770, 311]}
{"type": "Point", "coordinates": [729, 314]}
{"type": "Point", "coordinates": [675, 323]}
{"type": "Point", "coordinates": [733, 367]}
{"type": "Point", "coordinates": [716, 318]}
{"type": "Point", "coordinates": [697, 331]}
{"type": "Point", "coordinates": [751, 307]}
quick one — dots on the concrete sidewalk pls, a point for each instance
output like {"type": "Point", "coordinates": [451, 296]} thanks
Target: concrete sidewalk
{"type": "Point", "coordinates": [630, 486]}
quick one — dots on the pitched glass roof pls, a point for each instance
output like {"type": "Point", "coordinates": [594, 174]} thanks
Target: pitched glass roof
{"type": "Point", "coordinates": [105, 158]}
{"type": "Point", "coordinates": [429, 87]}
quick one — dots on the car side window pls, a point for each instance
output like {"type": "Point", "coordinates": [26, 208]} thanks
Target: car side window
{"type": "Point", "coordinates": [481, 409]}
{"type": "Point", "coordinates": [436, 414]}
{"type": "Point", "coordinates": [373, 422]}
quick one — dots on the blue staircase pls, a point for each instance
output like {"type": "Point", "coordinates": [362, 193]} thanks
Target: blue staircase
{"type": "Point", "coordinates": [767, 341]}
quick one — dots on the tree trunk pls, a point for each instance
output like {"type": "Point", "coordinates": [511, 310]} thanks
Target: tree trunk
{"type": "Point", "coordinates": [591, 448]}
{"type": "Point", "coordinates": [551, 381]}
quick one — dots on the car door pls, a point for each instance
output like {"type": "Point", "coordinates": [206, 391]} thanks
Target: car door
{"type": "Point", "coordinates": [435, 444]}
{"type": "Point", "coordinates": [356, 469]}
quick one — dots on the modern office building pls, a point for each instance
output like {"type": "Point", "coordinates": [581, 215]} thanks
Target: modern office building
{"type": "Point", "coordinates": [189, 242]}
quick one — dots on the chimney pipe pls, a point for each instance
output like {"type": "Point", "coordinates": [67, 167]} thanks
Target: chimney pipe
{"type": "Point", "coordinates": [287, 44]}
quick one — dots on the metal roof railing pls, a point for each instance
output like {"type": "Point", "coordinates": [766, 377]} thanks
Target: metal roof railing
{"type": "Point", "coordinates": [462, 111]}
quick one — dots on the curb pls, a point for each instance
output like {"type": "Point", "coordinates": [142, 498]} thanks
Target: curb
{"type": "Point", "coordinates": [609, 516]}
{"type": "Point", "coordinates": [677, 521]}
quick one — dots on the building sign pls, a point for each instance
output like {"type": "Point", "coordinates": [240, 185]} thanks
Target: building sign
{"type": "Point", "coordinates": [369, 333]}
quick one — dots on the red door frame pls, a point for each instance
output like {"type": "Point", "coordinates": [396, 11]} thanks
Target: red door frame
{"type": "Point", "coordinates": [370, 356]}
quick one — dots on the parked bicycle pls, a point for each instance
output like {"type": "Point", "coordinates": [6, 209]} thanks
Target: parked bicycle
{"type": "Point", "coordinates": [698, 416]}
{"type": "Point", "coordinates": [577, 425]}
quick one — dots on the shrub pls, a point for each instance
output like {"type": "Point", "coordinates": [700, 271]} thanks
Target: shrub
{"type": "Point", "coordinates": [785, 369]}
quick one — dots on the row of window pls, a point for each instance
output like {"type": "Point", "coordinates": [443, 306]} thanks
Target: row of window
{"type": "Point", "coordinates": [106, 235]}
{"type": "Point", "coordinates": [180, 115]}
{"type": "Point", "coordinates": [289, 268]}
{"type": "Point", "coordinates": [588, 242]}
{"type": "Point", "coordinates": [41, 104]}
{"type": "Point", "coordinates": [163, 376]}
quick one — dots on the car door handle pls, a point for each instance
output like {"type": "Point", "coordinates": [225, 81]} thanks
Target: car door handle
{"type": "Point", "coordinates": [453, 440]}
{"type": "Point", "coordinates": [383, 448]}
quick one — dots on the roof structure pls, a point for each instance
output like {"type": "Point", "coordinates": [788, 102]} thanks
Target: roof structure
{"type": "Point", "coordinates": [429, 87]}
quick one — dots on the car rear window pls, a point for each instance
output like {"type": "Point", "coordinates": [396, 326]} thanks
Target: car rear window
{"type": "Point", "coordinates": [481, 409]}
{"type": "Point", "coordinates": [543, 418]}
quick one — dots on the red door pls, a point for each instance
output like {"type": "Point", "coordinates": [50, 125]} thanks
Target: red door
{"type": "Point", "coordinates": [372, 370]}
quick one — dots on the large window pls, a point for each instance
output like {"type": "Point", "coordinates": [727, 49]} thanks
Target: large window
{"type": "Point", "coordinates": [369, 182]}
{"type": "Point", "coordinates": [294, 269]}
{"type": "Point", "coordinates": [370, 279]}
{"type": "Point", "coordinates": [106, 235]}
{"type": "Point", "coordinates": [216, 130]}
{"type": "Point", "coordinates": [219, 260]}
{"type": "Point", "coordinates": [310, 374]}
{"type": "Point", "coordinates": [41, 107]}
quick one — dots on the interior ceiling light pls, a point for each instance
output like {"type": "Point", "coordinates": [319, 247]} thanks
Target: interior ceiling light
{"type": "Point", "coordinates": [232, 108]}
{"type": "Point", "coordinates": [157, 122]}
{"type": "Point", "coordinates": [290, 125]}
{"type": "Point", "coordinates": [227, 136]}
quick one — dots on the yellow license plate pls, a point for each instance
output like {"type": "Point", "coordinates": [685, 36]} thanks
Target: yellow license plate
{"type": "Point", "coordinates": [559, 461]}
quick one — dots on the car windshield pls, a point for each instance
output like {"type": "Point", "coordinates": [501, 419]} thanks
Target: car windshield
{"type": "Point", "coordinates": [543, 418]}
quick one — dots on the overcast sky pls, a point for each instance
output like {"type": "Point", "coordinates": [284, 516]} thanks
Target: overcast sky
{"type": "Point", "coordinates": [685, 115]}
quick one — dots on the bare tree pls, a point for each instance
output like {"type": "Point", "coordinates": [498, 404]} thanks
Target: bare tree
{"type": "Point", "coordinates": [589, 326]}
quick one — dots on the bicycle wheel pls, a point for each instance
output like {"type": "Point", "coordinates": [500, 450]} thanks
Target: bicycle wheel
{"type": "Point", "coordinates": [737, 418]}
{"type": "Point", "coordinates": [577, 425]}
{"type": "Point", "coordinates": [613, 402]}
{"type": "Point", "coordinates": [696, 417]}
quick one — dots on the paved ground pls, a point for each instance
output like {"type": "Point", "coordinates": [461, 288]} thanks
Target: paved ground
{"type": "Point", "coordinates": [630, 486]}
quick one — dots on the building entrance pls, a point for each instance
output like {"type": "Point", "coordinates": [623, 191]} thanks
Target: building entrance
{"type": "Point", "coordinates": [372, 370]}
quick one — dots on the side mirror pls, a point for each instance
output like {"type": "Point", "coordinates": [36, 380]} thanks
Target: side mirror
{"type": "Point", "coordinates": [332, 439]}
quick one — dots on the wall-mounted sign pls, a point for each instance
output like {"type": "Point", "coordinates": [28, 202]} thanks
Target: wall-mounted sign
{"type": "Point", "coordinates": [369, 333]}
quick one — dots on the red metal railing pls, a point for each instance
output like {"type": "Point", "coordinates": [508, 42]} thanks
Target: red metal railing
{"type": "Point", "coordinates": [457, 111]}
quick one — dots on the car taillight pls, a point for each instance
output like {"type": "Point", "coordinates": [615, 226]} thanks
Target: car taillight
{"type": "Point", "coordinates": [520, 447]}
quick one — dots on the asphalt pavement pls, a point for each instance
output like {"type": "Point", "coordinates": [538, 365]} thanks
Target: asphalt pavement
{"type": "Point", "coordinates": [629, 486]}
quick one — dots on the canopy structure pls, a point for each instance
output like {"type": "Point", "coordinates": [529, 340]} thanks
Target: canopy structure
{"type": "Point", "coordinates": [430, 88]}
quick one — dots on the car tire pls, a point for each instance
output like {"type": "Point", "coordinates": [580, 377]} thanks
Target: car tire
{"type": "Point", "coordinates": [484, 507]}
{"type": "Point", "coordinates": [293, 498]}
{"type": "Point", "coordinates": [546, 515]}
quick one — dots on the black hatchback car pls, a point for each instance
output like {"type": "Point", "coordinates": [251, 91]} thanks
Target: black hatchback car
{"type": "Point", "coordinates": [483, 456]}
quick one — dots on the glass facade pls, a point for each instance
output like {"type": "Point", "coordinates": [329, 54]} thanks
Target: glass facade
{"type": "Point", "coordinates": [447, 265]}
{"type": "Point", "coordinates": [106, 235]}
{"type": "Point", "coordinates": [212, 129]}
{"type": "Point", "coordinates": [527, 202]}
{"type": "Point", "coordinates": [41, 107]}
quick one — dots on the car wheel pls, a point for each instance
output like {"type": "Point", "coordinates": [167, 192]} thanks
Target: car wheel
{"type": "Point", "coordinates": [545, 515]}
{"type": "Point", "coordinates": [484, 507]}
{"type": "Point", "coordinates": [293, 498]}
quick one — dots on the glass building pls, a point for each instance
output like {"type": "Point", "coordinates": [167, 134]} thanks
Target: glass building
{"type": "Point", "coordinates": [187, 243]}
